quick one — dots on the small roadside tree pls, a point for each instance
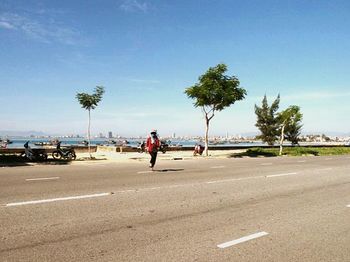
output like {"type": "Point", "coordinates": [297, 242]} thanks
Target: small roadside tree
{"type": "Point", "coordinates": [267, 121]}
{"type": "Point", "coordinates": [293, 129]}
{"type": "Point", "coordinates": [90, 102]}
{"type": "Point", "coordinates": [288, 120]}
{"type": "Point", "coordinates": [214, 92]}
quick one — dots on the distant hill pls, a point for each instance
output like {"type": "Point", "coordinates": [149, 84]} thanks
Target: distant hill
{"type": "Point", "coordinates": [21, 133]}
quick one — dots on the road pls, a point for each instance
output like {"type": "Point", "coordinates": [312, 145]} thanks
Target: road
{"type": "Point", "coordinates": [249, 209]}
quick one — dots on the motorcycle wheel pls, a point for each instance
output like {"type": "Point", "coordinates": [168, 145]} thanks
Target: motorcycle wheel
{"type": "Point", "coordinates": [44, 156]}
{"type": "Point", "coordinates": [56, 155]}
{"type": "Point", "coordinates": [71, 156]}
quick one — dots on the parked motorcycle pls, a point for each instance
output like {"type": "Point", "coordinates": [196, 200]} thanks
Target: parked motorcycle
{"type": "Point", "coordinates": [34, 155]}
{"type": "Point", "coordinates": [162, 148]}
{"type": "Point", "coordinates": [141, 147]}
{"type": "Point", "coordinates": [67, 153]}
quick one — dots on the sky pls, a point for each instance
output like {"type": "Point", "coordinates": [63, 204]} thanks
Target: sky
{"type": "Point", "coordinates": [147, 52]}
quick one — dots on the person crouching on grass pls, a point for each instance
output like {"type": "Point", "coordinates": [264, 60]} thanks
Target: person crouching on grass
{"type": "Point", "coordinates": [152, 145]}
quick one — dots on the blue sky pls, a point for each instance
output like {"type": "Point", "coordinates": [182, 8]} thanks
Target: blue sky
{"type": "Point", "coordinates": [146, 52]}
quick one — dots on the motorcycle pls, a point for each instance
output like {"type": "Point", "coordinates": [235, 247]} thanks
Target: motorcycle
{"type": "Point", "coordinates": [67, 153]}
{"type": "Point", "coordinates": [141, 147]}
{"type": "Point", "coordinates": [34, 155]}
{"type": "Point", "coordinates": [162, 148]}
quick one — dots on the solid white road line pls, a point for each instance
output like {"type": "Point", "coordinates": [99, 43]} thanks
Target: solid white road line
{"type": "Point", "coordinates": [42, 178]}
{"type": "Point", "coordinates": [56, 199]}
{"type": "Point", "coordinates": [241, 240]}
{"type": "Point", "coordinates": [286, 174]}
{"type": "Point", "coordinates": [217, 167]}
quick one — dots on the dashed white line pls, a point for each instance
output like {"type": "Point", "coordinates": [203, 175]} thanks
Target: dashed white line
{"type": "Point", "coordinates": [286, 174]}
{"type": "Point", "coordinates": [175, 186]}
{"type": "Point", "coordinates": [329, 159]}
{"type": "Point", "coordinates": [217, 167]}
{"type": "Point", "coordinates": [266, 164]}
{"type": "Point", "coordinates": [301, 161]}
{"type": "Point", "coordinates": [242, 239]}
{"type": "Point", "coordinates": [42, 178]}
{"type": "Point", "coordinates": [233, 179]}
{"type": "Point", "coordinates": [56, 199]}
{"type": "Point", "coordinates": [144, 172]}
{"type": "Point", "coordinates": [325, 169]}
{"type": "Point", "coordinates": [348, 206]}
{"type": "Point", "coordinates": [152, 188]}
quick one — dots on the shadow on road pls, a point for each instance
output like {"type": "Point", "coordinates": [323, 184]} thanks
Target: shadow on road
{"type": "Point", "coordinates": [16, 160]}
{"type": "Point", "coordinates": [251, 153]}
{"type": "Point", "coordinates": [274, 152]}
{"type": "Point", "coordinates": [170, 170]}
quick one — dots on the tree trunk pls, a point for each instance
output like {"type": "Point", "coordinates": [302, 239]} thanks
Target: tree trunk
{"type": "Point", "coordinates": [89, 134]}
{"type": "Point", "coordinates": [206, 135]}
{"type": "Point", "coordinates": [281, 140]}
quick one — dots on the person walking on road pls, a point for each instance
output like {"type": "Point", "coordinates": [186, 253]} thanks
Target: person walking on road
{"type": "Point", "coordinates": [153, 145]}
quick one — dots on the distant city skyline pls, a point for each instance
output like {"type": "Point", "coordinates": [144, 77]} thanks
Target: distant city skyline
{"type": "Point", "coordinates": [146, 52]}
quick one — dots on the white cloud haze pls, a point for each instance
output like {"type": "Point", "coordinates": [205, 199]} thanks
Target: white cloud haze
{"type": "Point", "coordinates": [44, 32]}
{"type": "Point", "coordinates": [134, 6]}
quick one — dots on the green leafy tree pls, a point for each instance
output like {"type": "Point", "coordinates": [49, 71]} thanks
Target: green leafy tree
{"type": "Point", "coordinates": [90, 102]}
{"type": "Point", "coordinates": [267, 121]}
{"type": "Point", "coordinates": [293, 129]}
{"type": "Point", "coordinates": [289, 119]}
{"type": "Point", "coordinates": [214, 92]}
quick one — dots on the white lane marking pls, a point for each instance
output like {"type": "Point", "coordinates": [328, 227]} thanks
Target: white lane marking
{"type": "Point", "coordinates": [175, 186]}
{"type": "Point", "coordinates": [266, 164]}
{"type": "Point", "coordinates": [152, 188]}
{"type": "Point", "coordinates": [42, 178]}
{"type": "Point", "coordinates": [325, 169]}
{"type": "Point", "coordinates": [328, 158]}
{"type": "Point", "coordinates": [242, 239]}
{"type": "Point", "coordinates": [348, 206]}
{"type": "Point", "coordinates": [233, 179]}
{"type": "Point", "coordinates": [144, 172]}
{"type": "Point", "coordinates": [301, 161]}
{"type": "Point", "coordinates": [217, 167]}
{"type": "Point", "coordinates": [286, 174]}
{"type": "Point", "coordinates": [56, 199]}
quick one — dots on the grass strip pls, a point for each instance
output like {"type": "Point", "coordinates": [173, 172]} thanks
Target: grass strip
{"type": "Point", "coordinates": [294, 151]}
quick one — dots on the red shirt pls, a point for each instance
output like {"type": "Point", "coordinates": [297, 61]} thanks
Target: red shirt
{"type": "Point", "coordinates": [152, 147]}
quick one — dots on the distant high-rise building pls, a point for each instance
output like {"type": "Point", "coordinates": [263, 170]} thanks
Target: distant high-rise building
{"type": "Point", "coordinates": [101, 135]}
{"type": "Point", "coordinates": [110, 134]}
{"type": "Point", "coordinates": [174, 135]}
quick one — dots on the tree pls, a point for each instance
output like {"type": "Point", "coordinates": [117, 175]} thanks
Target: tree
{"type": "Point", "coordinates": [267, 121]}
{"type": "Point", "coordinates": [90, 102]}
{"type": "Point", "coordinates": [289, 120]}
{"type": "Point", "coordinates": [293, 129]}
{"type": "Point", "coordinates": [214, 92]}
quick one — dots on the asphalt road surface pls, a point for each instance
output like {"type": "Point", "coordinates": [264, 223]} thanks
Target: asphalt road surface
{"type": "Point", "coordinates": [250, 209]}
